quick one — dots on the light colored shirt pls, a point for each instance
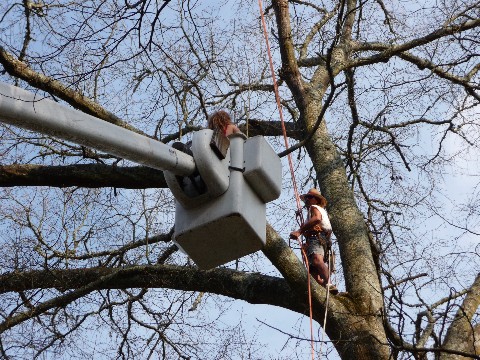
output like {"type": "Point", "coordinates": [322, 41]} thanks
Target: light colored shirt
{"type": "Point", "coordinates": [325, 223]}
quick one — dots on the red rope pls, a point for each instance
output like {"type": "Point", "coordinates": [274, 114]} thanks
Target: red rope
{"type": "Point", "coordinates": [279, 106]}
{"type": "Point", "coordinates": [292, 172]}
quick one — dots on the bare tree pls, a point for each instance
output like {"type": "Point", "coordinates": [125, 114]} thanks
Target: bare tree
{"type": "Point", "coordinates": [381, 100]}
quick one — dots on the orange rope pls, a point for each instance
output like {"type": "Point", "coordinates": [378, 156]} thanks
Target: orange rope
{"type": "Point", "coordinates": [292, 172]}
{"type": "Point", "coordinates": [279, 106]}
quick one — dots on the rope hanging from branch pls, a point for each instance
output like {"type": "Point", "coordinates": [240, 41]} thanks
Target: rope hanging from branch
{"type": "Point", "coordinates": [292, 172]}
{"type": "Point", "coordinates": [295, 189]}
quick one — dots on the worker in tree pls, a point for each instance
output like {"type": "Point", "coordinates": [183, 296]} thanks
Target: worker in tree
{"type": "Point", "coordinates": [221, 120]}
{"type": "Point", "coordinates": [317, 231]}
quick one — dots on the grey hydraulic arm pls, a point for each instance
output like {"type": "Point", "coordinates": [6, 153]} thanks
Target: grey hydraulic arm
{"type": "Point", "coordinates": [33, 112]}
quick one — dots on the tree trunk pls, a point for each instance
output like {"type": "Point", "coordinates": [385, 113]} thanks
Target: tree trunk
{"type": "Point", "coordinates": [361, 276]}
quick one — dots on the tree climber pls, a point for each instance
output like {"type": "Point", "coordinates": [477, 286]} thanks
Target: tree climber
{"type": "Point", "coordinates": [317, 231]}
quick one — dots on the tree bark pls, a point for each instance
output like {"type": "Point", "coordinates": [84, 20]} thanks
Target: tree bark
{"type": "Point", "coordinates": [361, 277]}
{"type": "Point", "coordinates": [87, 175]}
{"type": "Point", "coordinates": [461, 334]}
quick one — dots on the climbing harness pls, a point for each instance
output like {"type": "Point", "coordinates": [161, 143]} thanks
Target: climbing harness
{"type": "Point", "coordinates": [299, 214]}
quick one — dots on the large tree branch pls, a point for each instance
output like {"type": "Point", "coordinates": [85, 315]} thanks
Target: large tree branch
{"type": "Point", "coordinates": [19, 69]}
{"type": "Point", "coordinates": [252, 287]}
{"type": "Point", "coordinates": [75, 283]}
{"type": "Point", "coordinates": [348, 223]}
{"type": "Point", "coordinates": [461, 335]}
{"type": "Point", "coordinates": [442, 73]}
{"type": "Point", "coordinates": [270, 128]}
{"type": "Point", "coordinates": [290, 71]}
{"type": "Point", "coordinates": [386, 52]}
{"type": "Point", "coordinates": [87, 175]}
{"type": "Point", "coordinates": [327, 16]}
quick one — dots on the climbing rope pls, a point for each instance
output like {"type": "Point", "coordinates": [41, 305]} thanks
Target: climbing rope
{"type": "Point", "coordinates": [292, 172]}
{"type": "Point", "coordinates": [279, 106]}
{"type": "Point", "coordinates": [328, 297]}
{"type": "Point", "coordinates": [299, 213]}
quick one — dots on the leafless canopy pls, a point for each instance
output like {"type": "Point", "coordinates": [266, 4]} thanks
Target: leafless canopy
{"type": "Point", "coordinates": [381, 100]}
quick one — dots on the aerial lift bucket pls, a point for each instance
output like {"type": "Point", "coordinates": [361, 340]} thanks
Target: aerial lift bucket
{"type": "Point", "coordinates": [214, 228]}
